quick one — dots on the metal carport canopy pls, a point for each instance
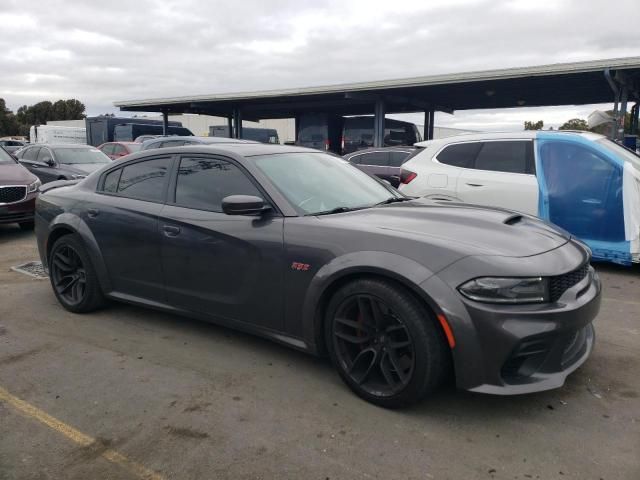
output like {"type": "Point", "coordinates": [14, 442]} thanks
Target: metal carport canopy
{"type": "Point", "coordinates": [576, 83]}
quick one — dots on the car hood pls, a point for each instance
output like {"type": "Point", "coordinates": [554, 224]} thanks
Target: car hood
{"type": "Point", "coordinates": [82, 168]}
{"type": "Point", "coordinates": [470, 229]}
{"type": "Point", "coordinates": [15, 174]}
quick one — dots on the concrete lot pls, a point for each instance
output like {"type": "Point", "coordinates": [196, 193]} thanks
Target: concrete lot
{"type": "Point", "coordinates": [127, 392]}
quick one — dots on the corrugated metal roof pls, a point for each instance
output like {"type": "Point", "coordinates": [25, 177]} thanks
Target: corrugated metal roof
{"type": "Point", "coordinates": [556, 69]}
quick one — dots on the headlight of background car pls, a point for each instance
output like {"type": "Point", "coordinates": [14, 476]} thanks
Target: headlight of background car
{"type": "Point", "coordinates": [506, 290]}
{"type": "Point", "coordinates": [34, 186]}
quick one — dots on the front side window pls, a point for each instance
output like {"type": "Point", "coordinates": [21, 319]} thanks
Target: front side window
{"type": "Point", "coordinates": [319, 183]}
{"type": "Point", "coordinates": [202, 183]}
{"type": "Point", "coordinates": [505, 156]}
{"type": "Point", "coordinates": [31, 153]}
{"type": "Point", "coordinates": [459, 155]}
{"type": "Point", "coordinates": [145, 180]}
{"type": "Point", "coordinates": [44, 155]}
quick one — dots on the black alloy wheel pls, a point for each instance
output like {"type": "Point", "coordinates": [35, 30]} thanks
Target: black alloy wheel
{"type": "Point", "coordinates": [385, 343]}
{"type": "Point", "coordinates": [373, 345]}
{"type": "Point", "coordinates": [73, 277]}
{"type": "Point", "coordinates": [68, 275]}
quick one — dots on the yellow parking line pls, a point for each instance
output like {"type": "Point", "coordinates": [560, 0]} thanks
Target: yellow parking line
{"type": "Point", "coordinates": [77, 436]}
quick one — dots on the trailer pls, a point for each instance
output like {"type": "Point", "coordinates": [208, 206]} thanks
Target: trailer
{"type": "Point", "coordinates": [100, 129]}
{"type": "Point", "coordinates": [56, 134]}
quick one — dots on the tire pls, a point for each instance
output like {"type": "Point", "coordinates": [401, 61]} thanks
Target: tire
{"type": "Point", "coordinates": [27, 225]}
{"type": "Point", "coordinates": [77, 265]}
{"type": "Point", "coordinates": [407, 337]}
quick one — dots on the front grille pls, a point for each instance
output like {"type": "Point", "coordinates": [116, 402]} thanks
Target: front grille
{"type": "Point", "coordinates": [12, 194]}
{"type": "Point", "coordinates": [561, 283]}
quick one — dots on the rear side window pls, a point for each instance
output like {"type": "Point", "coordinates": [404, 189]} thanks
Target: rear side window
{"type": "Point", "coordinates": [44, 155]}
{"type": "Point", "coordinates": [510, 157]}
{"type": "Point", "coordinates": [107, 149]}
{"type": "Point", "coordinates": [459, 155]}
{"type": "Point", "coordinates": [379, 159]}
{"type": "Point", "coordinates": [111, 181]}
{"type": "Point", "coordinates": [144, 180]}
{"type": "Point", "coordinates": [396, 159]}
{"type": "Point", "coordinates": [203, 182]}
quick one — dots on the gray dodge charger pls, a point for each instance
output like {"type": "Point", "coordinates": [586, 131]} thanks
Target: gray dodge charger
{"type": "Point", "coordinates": [301, 247]}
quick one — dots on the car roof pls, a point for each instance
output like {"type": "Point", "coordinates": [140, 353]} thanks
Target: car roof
{"type": "Point", "coordinates": [406, 148]}
{"type": "Point", "coordinates": [242, 149]}
{"type": "Point", "coordinates": [192, 138]}
{"type": "Point", "coordinates": [61, 145]}
{"type": "Point", "coordinates": [524, 134]}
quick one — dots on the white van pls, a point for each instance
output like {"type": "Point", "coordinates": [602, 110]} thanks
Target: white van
{"type": "Point", "coordinates": [56, 134]}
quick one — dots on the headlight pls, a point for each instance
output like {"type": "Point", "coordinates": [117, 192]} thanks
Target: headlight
{"type": "Point", "coordinates": [78, 177]}
{"type": "Point", "coordinates": [506, 290]}
{"type": "Point", "coordinates": [34, 186]}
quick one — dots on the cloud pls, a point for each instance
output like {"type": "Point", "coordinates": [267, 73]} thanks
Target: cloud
{"type": "Point", "coordinates": [100, 52]}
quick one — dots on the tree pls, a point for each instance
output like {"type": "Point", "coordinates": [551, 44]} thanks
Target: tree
{"type": "Point", "coordinates": [575, 124]}
{"type": "Point", "coordinates": [8, 123]}
{"type": "Point", "coordinates": [533, 125]}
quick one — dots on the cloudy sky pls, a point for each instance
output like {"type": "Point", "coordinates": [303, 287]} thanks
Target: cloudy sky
{"type": "Point", "coordinates": [100, 52]}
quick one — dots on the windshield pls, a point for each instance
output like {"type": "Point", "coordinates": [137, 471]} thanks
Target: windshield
{"type": "Point", "coordinates": [318, 183]}
{"type": "Point", "coordinates": [618, 149]}
{"type": "Point", "coordinates": [5, 157]}
{"type": "Point", "coordinates": [80, 155]}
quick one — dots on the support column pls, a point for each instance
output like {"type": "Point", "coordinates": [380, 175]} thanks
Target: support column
{"type": "Point", "coordinates": [624, 95]}
{"type": "Point", "coordinates": [425, 129]}
{"type": "Point", "coordinates": [378, 123]}
{"type": "Point", "coordinates": [432, 117]}
{"type": "Point", "coordinates": [230, 126]}
{"type": "Point", "coordinates": [635, 116]}
{"type": "Point", "coordinates": [237, 123]}
{"type": "Point", "coordinates": [165, 122]}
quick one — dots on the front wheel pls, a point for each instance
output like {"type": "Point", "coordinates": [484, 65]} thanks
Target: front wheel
{"type": "Point", "coordinates": [73, 277]}
{"type": "Point", "coordinates": [384, 343]}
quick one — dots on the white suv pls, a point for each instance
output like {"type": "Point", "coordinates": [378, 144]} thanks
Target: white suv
{"type": "Point", "coordinates": [496, 169]}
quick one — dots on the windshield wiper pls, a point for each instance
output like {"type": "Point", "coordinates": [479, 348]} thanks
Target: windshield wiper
{"type": "Point", "coordinates": [336, 210]}
{"type": "Point", "coordinates": [393, 200]}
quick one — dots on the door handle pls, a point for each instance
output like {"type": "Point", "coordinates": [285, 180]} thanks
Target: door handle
{"type": "Point", "coordinates": [171, 231]}
{"type": "Point", "coordinates": [93, 212]}
{"type": "Point", "coordinates": [475, 184]}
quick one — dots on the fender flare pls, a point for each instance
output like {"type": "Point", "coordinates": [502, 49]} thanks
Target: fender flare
{"type": "Point", "coordinates": [395, 267]}
{"type": "Point", "coordinates": [69, 221]}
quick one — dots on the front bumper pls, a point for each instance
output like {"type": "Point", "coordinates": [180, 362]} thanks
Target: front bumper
{"type": "Point", "coordinates": [18, 212]}
{"type": "Point", "coordinates": [516, 349]}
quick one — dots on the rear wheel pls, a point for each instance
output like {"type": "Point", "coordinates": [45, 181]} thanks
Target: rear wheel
{"type": "Point", "coordinates": [384, 343]}
{"type": "Point", "coordinates": [73, 277]}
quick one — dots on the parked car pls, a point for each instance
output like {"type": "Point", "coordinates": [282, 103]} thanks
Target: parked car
{"type": "Point", "coordinates": [581, 181]}
{"type": "Point", "coordinates": [302, 247]}
{"type": "Point", "coordinates": [262, 135]}
{"type": "Point", "coordinates": [12, 146]}
{"type": "Point", "coordinates": [18, 191]}
{"type": "Point", "coordinates": [115, 150]}
{"type": "Point", "coordinates": [343, 135]}
{"type": "Point", "coordinates": [61, 162]}
{"type": "Point", "coordinates": [177, 141]}
{"type": "Point", "coordinates": [381, 162]}
{"type": "Point", "coordinates": [142, 138]}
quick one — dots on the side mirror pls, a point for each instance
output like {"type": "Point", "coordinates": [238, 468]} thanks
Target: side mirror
{"type": "Point", "coordinates": [243, 205]}
{"type": "Point", "coordinates": [49, 162]}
